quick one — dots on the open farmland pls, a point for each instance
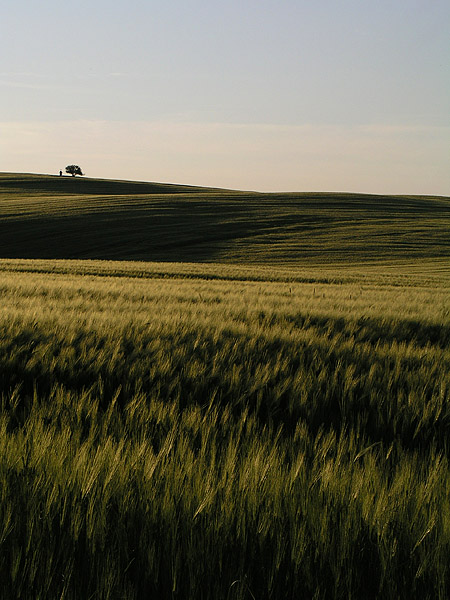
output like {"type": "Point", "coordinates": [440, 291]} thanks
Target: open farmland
{"type": "Point", "coordinates": [217, 428]}
{"type": "Point", "coordinates": [65, 217]}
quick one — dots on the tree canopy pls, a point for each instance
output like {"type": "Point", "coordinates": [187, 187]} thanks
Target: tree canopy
{"type": "Point", "coordinates": [74, 170]}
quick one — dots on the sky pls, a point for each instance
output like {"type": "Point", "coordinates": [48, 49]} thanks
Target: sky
{"type": "Point", "coordinates": [286, 95]}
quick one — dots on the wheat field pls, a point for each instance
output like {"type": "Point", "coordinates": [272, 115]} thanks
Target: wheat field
{"type": "Point", "coordinates": [213, 394]}
{"type": "Point", "coordinates": [236, 432]}
{"type": "Point", "coordinates": [44, 217]}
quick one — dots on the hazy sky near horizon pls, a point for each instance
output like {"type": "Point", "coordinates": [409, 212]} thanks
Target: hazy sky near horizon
{"type": "Point", "coordinates": [348, 95]}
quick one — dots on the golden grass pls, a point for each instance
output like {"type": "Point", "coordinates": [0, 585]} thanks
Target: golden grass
{"type": "Point", "coordinates": [191, 431]}
{"type": "Point", "coordinates": [264, 415]}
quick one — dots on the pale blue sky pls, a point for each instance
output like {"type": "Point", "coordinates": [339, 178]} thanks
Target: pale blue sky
{"type": "Point", "coordinates": [289, 95]}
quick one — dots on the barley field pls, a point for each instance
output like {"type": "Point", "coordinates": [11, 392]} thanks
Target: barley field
{"type": "Point", "coordinates": [174, 435]}
{"type": "Point", "coordinates": [246, 398]}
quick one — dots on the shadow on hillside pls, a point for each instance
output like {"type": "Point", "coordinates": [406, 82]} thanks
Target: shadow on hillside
{"type": "Point", "coordinates": [85, 186]}
{"type": "Point", "coordinates": [169, 231]}
{"type": "Point", "coordinates": [74, 218]}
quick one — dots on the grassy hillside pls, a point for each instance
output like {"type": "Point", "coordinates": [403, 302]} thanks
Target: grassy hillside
{"type": "Point", "coordinates": [264, 415]}
{"type": "Point", "coordinates": [65, 217]}
{"type": "Point", "coordinates": [24, 183]}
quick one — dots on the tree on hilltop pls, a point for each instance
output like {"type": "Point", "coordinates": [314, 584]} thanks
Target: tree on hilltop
{"type": "Point", "coordinates": [73, 170]}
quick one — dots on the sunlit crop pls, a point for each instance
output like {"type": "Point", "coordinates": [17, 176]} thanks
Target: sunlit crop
{"type": "Point", "coordinates": [199, 431]}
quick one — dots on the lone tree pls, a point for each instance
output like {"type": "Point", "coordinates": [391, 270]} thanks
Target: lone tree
{"type": "Point", "coordinates": [73, 170]}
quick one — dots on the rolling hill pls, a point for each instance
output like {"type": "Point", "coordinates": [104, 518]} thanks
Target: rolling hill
{"type": "Point", "coordinates": [52, 217]}
{"type": "Point", "coordinates": [263, 413]}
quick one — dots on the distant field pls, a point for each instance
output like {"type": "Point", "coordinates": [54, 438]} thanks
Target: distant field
{"type": "Point", "coordinates": [65, 217]}
{"type": "Point", "coordinates": [252, 402]}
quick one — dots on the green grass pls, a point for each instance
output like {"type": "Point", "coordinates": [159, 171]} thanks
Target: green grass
{"type": "Point", "coordinates": [189, 437]}
{"type": "Point", "coordinates": [270, 428]}
{"type": "Point", "coordinates": [65, 217]}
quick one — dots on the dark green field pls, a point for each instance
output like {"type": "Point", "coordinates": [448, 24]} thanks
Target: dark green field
{"type": "Point", "coordinates": [259, 411]}
{"type": "Point", "coordinates": [65, 217]}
